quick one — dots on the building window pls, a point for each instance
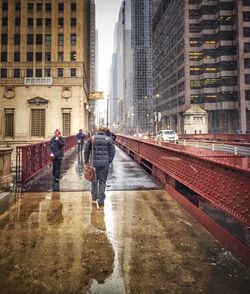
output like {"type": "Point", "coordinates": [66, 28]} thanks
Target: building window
{"type": "Point", "coordinates": [39, 22]}
{"type": "Point", "coordinates": [39, 56]}
{"type": "Point", "coordinates": [73, 39]}
{"type": "Point", "coordinates": [60, 7]}
{"type": "Point", "coordinates": [5, 21]}
{"type": "Point", "coordinates": [47, 56]}
{"type": "Point", "coordinates": [48, 39]}
{"type": "Point", "coordinates": [37, 122]}
{"type": "Point", "coordinates": [66, 117]}
{"type": "Point", "coordinates": [30, 39]}
{"type": "Point", "coordinates": [17, 21]}
{"type": "Point", "coordinates": [17, 39]}
{"type": "Point", "coordinates": [247, 62]}
{"type": "Point", "coordinates": [247, 95]}
{"type": "Point", "coordinates": [5, 6]}
{"type": "Point", "coordinates": [73, 6]}
{"type": "Point", "coordinates": [73, 22]}
{"type": "Point", "coordinates": [246, 16]}
{"type": "Point", "coordinates": [39, 72]}
{"type": "Point", "coordinates": [30, 7]}
{"type": "Point", "coordinates": [4, 57]}
{"type": "Point", "coordinates": [60, 72]}
{"type": "Point", "coordinates": [60, 22]}
{"type": "Point", "coordinates": [48, 22]}
{"type": "Point", "coordinates": [9, 122]}
{"type": "Point", "coordinates": [16, 72]}
{"type": "Point", "coordinates": [4, 39]}
{"type": "Point", "coordinates": [39, 39]}
{"type": "Point", "coordinates": [29, 73]}
{"type": "Point", "coordinates": [47, 72]}
{"type": "Point", "coordinates": [60, 56]}
{"type": "Point", "coordinates": [39, 7]}
{"type": "Point", "coordinates": [3, 73]}
{"type": "Point", "coordinates": [73, 72]}
{"type": "Point", "coordinates": [246, 32]}
{"type": "Point", "coordinates": [30, 22]}
{"type": "Point", "coordinates": [72, 55]}
{"type": "Point", "coordinates": [247, 79]}
{"type": "Point", "coordinates": [48, 7]}
{"type": "Point", "coordinates": [246, 47]}
{"type": "Point", "coordinates": [29, 56]}
{"type": "Point", "coordinates": [16, 56]}
{"type": "Point", "coordinates": [60, 39]}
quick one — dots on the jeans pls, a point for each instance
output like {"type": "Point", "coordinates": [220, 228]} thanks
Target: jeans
{"type": "Point", "coordinates": [57, 167]}
{"type": "Point", "coordinates": [98, 188]}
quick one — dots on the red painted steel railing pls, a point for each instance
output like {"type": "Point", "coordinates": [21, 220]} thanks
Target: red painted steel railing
{"type": "Point", "coordinates": [30, 159]}
{"type": "Point", "coordinates": [227, 138]}
{"type": "Point", "coordinates": [219, 177]}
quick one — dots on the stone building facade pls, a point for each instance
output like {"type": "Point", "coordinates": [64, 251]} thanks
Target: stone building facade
{"type": "Point", "coordinates": [44, 68]}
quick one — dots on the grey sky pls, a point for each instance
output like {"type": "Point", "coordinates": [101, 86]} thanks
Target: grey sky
{"type": "Point", "coordinates": [106, 16]}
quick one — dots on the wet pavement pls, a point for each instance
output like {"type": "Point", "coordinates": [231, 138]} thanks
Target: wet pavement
{"type": "Point", "coordinates": [125, 174]}
{"type": "Point", "coordinates": [140, 242]}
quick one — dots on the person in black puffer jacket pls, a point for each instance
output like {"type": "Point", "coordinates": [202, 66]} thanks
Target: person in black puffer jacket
{"type": "Point", "coordinates": [103, 155]}
{"type": "Point", "coordinates": [55, 148]}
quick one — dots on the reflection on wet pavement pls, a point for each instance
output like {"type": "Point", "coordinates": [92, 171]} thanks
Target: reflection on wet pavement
{"type": "Point", "coordinates": [141, 242]}
{"type": "Point", "coordinates": [125, 174]}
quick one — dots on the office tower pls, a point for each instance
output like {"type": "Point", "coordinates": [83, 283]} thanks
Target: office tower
{"type": "Point", "coordinates": [45, 68]}
{"type": "Point", "coordinates": [201, 57]}
{"type": "Point", "coordinates": [134, 62]}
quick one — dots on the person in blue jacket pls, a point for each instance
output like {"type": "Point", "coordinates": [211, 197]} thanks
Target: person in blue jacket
{"type": "Point", "coordinates": [80, 140]}
{"type": "Point", "coordinates": [103, 149]}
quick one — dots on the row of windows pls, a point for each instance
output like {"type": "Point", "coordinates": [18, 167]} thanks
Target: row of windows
{"type": "Point", "coordinates": [39, 39]}
{"type": "Point", "coordinates": [38, 72]}
{"type": "Point", "coordinates": [39, 22]}
{"type": "Point", "coordinates": [39, 56]}
{"type": "Point", "coordinates": [213, 82]}
{"type": "Point", "coordinates": [38, 123]}
{"type": "Point", "coordinates": [39, 7]}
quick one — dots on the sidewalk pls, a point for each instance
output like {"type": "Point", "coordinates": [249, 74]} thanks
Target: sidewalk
{"type": "Point", "coordinates": [125, 174]}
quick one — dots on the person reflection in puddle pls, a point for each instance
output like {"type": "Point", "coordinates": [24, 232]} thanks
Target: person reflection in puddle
{"type": "Point", "coordinates": [98, 250]}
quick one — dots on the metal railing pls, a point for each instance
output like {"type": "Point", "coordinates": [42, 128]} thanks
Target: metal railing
{"type": "Point", "coordinates": [31, 159]}
{"type": "Point", "coordinates": [219, 177]}
{"type": "Point", "coordinates": [229, 138]}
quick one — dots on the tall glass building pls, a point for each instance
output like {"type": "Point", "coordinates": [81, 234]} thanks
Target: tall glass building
{"type": "Point", "coordinates": [134, 60]}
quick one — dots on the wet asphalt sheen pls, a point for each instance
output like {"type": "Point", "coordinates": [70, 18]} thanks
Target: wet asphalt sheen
{"type": "Point", "coordinates": [142, 241]}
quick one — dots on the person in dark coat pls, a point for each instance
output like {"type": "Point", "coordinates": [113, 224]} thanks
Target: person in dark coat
{"type": "Point", "coordinates": [55, 148]}
{"type": "Point", "coordinates": [103, 155]}
{"type": "Point", "coordinates": [80, 140]}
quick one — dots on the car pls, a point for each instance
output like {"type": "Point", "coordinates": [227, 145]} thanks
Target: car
{"type": "Point", "coordinates": [167, 136]}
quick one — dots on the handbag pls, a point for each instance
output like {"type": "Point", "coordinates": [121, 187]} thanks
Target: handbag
{"type": "Point", "coordinates": [89, 170]}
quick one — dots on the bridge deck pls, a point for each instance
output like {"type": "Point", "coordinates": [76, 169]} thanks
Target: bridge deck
{"type": "Point", "coordinates": [141, 242]}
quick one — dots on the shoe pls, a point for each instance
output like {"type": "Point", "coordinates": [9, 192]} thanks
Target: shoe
{"type": "Point", "coordinates": [100, 204]}
{"type": "Point", "coordinates": [57, 180]}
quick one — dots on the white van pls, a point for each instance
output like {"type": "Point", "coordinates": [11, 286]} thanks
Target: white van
{"type": "Point", "coordinates": [167, 136]}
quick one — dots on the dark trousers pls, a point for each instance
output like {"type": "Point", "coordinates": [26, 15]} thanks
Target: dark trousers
{"type": "Point", "coordinates": [57, 167]}
{"type": "Point", "coordinates": [98, 188]}
{"type": "Point", "coordinates": [80, 147]}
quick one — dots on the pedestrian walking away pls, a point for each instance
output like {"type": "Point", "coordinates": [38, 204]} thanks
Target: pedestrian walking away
{"type": "Point", "coordinates": [103, 154]}
{"type": "Point", "coordinates": [55, 148]}
{"type": "Point", "coordinates": [80, 140]}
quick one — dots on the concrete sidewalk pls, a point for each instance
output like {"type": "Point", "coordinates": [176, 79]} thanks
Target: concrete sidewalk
{"type": "Point", "coordinates": [125, 174]}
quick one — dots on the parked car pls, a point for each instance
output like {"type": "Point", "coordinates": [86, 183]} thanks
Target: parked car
{"type": "Point", "coordinates": [167, 136]}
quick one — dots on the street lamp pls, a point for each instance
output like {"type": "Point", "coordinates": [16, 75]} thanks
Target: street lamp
{"type": "Point", "coordinates": [157, 114]}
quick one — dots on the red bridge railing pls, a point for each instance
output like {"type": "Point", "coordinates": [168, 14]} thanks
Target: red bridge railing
{"type": "Point", "coordinates": [220, 177]}
{"type": "Point", "coordinates": [31, 159]}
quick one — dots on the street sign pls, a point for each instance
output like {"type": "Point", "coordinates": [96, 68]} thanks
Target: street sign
{"type": "Point", "coordinates": [96, 95]}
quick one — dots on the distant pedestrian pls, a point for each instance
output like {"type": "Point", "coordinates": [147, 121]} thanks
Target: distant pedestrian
{"type": "Point", "coordinates": [102, 149]}
{"type": "Point", "coordinates": [80, 140]}
{"type": "Point", "coordinates": [55, 148]}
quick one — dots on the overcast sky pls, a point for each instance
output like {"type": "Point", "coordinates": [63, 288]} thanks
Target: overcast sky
{"type": "Point", "coordinates": [106, 16]}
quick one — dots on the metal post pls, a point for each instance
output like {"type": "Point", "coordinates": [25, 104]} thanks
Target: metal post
{"type": "Point", "coordinates": [213, 147]}
{"type": "Point", "coordinates": [235, 150]}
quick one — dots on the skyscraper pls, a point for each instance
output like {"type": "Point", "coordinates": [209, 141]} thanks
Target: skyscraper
{"type": "Point", "coordinates": [45, 68]}
{"type": "Point", "coordinates": [134, 66]}
{"type": "Point", "coordinates": [201, 56]}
